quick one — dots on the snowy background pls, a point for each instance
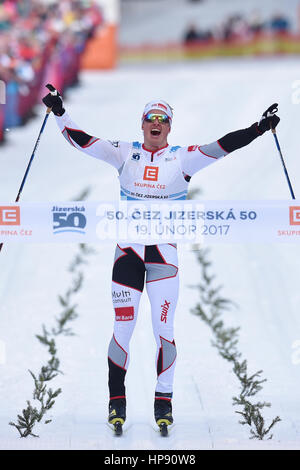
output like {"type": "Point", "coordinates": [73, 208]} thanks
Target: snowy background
{"type": "Point", "coordinates": [209, 100]}
{"type": "Point", "coordinates": [167, 20]}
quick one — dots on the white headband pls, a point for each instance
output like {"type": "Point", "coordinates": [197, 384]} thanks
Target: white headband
{"type": "Point", "coordinates": [161, 106]}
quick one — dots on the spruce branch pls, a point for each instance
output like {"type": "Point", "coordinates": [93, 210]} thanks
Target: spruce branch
{"type": "Point", "coordinates": [67, 315]}
{"type": "Point", "coordinates": [79, 260]}
{"type": "Point", "coordinates": [83, 195]}
{"type": "Point", "coordinates": [193, 192]}
{"type": "Point", "coordinates": [86, 250]}
{"type": "Point", "coordinates": [43, 395]}
{"type": "Point", "coordinates": [210, 308]}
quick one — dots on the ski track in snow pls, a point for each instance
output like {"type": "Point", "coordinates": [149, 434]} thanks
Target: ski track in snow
{"type": "Point", "coordinates": [261, 279]}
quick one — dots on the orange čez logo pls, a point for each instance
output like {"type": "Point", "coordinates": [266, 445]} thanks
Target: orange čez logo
{"type": "Point", "coordinates": [294, 215]}
{"type": "Point", "coordinates": [151, 173]}
{"type": "Point", "coordinates": [9, 215]}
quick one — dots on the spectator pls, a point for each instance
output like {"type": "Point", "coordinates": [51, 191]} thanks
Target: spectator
{"type": "Point", "coordinates": [256, 24]}
{"type": "Point", "coordinates": [29, 26]}
{"type": "Point", "coordinates": [191, 34]}
{"type": "Point", "coordinates": [279, 24]}
{"type": "Point", "coordinates": [235, 27]}
{"type": "Point", "coordinates": [37, 37]}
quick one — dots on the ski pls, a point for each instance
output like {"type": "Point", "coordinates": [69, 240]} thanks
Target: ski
{"type": "Point", "coordinates": [118, 428]}
{"type": "Point", "coordinates": [163, 412]}
{"type": "Point", "coordinates": [117, 414]}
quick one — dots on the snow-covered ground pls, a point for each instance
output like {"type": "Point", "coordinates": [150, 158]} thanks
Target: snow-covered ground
{"type": "Point", "coordinates": [209, 100]}
{"type": "Point", "coordinates": [164, 21]}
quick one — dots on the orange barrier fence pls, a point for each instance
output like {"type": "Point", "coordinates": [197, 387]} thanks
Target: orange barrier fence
{"type": "Point", "coordinates": [101, 50]}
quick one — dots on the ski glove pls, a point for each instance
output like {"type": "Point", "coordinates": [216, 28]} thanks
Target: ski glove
{"type": "Point", "coordinates": [269, 119]}
{"type": "Point", "coordinates": [54, 100]}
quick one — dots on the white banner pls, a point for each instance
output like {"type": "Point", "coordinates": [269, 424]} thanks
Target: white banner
{"type": "Point", "coordinates": [151, 222]}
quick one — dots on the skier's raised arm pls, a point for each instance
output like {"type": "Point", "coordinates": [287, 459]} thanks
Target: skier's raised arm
{"type": "Point", "coordinates": [113, 153]}
{"type": "Point", "coordinates": [196, 157]}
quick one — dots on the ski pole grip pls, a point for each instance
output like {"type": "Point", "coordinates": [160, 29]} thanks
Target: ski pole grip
{"type": "Point", "coordinates": [48, 110]}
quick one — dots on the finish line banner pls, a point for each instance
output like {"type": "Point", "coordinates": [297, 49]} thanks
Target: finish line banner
{"type": "Point", "coordinates": [149, 222]}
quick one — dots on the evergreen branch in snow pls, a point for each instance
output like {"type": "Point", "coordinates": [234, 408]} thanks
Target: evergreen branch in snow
{"type": "Point", "coordinates": [76, 262]}
{"type": "Point", "coordinates": [26, 421]}
{"type": "Point", "coordinates": [43, 395]}
{"type": "Point", "coordinates": [83, 195]}
{"type": "Point", "coordinates": [67, 315]}
{"type": "Point", "coordinates": [210, 309]}
{"type": "Point", "coordinates": [86, 250]}
{"type": "Point", "coordinates": [193, 192]}
{"type": "Point", "coordinates": [77, 282]}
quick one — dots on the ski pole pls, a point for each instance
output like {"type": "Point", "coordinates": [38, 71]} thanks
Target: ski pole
{"type": "Point", "coordinates": [31, 159]}
{"type": "Point", "coordinates": [283, 164]}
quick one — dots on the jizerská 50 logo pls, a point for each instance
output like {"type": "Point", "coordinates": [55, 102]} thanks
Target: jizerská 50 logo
{"type": "Point", "coordinates": [68, 219]}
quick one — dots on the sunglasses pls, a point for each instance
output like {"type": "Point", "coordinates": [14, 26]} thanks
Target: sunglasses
{"type": "Point", "coordinates": [162, 118]}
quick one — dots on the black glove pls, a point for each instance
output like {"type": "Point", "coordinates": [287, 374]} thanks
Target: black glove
{"type": "Point", "coordinates": [54, 100]}
{"type": "Point", "coordinates": [269, 119]}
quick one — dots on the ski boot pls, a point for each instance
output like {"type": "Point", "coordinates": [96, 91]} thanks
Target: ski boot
{"type": "Point", "coordinates": [117, 414]}
{"type": "Point", "coordinates": [163, 412]}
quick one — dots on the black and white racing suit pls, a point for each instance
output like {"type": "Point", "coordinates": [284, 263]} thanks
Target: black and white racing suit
{"type": "Point", "coordinates": [143, 174]}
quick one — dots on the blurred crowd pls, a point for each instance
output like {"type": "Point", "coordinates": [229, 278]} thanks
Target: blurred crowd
{"type": "Point", "coordinates": [39, 42]}
{"type": "Point", "coordinates": [239, 27]}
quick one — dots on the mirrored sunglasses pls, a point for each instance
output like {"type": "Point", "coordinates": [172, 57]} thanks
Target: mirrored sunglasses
{"type": "Point", "coordinates": [162, 118]}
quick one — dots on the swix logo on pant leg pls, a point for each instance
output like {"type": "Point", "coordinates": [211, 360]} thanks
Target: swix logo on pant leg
{"type": "Point", "coordinates": [151, 173]}
{"type": "Point", "coordinates": [164, 312]}
{"type": "Point", "coordinates": [9, 215]}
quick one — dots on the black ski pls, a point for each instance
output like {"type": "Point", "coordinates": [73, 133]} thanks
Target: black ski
{"type": "Point", "coordinates": [118, 428]}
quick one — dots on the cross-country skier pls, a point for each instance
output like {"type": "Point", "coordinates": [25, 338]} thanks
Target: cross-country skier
{"type": "Point", "coordinates": [151, 169]}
